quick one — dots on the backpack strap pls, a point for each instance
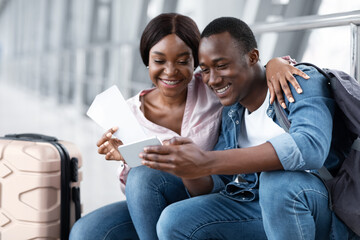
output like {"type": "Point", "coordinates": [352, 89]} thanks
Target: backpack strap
{"type": "Point", "coordinates": [282, 118]}
{"type": "Point", "coordinates": [356, 144]}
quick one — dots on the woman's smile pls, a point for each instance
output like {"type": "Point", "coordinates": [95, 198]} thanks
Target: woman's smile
{"type": "Point", "coordinates": [170, 83]}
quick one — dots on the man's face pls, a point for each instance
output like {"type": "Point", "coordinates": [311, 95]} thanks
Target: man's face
{"type": "Point", "coordinates": [225, 68]}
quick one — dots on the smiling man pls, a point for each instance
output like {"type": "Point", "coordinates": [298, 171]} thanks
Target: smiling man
{"type": "Point", "coordinates": [270, 189]}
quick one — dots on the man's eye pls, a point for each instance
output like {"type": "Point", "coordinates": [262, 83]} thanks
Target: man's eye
{"type": "Point", "coordinates": [183, 62]}
{"type": "Point", "coordinates": [204, 70]}
{"type": "Point", "coordinates": [221, 66]}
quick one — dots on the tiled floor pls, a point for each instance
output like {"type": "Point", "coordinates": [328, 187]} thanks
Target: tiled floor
{"type": "Point", "coordinates": [24, 112]}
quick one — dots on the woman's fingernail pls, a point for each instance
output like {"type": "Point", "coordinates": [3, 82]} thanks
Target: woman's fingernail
{"type": "Point", "coordinates": [283, 105]}
{"type": "Point", "coordinates": [291, 99]}
{"type": "Point", "coordinates": [299, 90]}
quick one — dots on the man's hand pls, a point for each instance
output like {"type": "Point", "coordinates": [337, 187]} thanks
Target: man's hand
{"type": "Point", "coordinates": [179, 156]}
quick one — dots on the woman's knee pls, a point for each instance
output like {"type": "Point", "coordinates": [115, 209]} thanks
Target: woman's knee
{"type": "Point", "coordinates": [169, 223]}
{"type": "Point", "coordinates": [103, 223]}
{"type": "Point", "coordinates": [143, 181]}
{"type": "Point", "coordinates": [78, 231]}
{"type": "Point", "coordinates": [142, 176]}
{"type": "Point", "coordinates": [84, 228]}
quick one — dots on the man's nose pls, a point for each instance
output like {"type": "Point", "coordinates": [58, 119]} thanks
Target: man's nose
{"type": "Point", "coordinates": [214, 78]}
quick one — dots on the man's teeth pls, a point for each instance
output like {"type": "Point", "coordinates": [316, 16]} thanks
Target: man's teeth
{"type": "Point", "coordinates": [222, 89]}
{"type": "Point", "coordinates": [171, 82]}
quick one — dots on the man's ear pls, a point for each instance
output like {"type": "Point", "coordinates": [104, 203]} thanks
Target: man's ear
{"type": "Point", "coordinates": [253, 56]}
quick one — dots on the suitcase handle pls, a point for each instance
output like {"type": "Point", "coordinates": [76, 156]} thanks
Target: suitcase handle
{"type": "Point", "coordinates": [32, 136]}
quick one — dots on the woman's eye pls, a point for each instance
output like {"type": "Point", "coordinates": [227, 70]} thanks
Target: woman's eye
{"type": "Point", "coordinates": [159, 61]}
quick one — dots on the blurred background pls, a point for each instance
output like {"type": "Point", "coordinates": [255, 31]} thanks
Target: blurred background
{"type": "Point", "coordinates": [57, 55]}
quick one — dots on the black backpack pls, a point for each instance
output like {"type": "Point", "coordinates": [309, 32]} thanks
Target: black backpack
{"type": "Point", "coordinates": [344, 187]}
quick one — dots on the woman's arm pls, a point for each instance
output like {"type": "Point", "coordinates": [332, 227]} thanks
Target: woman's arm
{"type": "Point", "coordinates": [278, 72]}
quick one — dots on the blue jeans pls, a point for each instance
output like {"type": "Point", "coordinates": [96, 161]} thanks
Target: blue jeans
{"type": "Point", "coordinates": [111, 222]}
{"type": "Point", "coordinates": [148, 192]}
{"type": "Point", "coordinates": [292, 205]}
{"type": "Point", "coordinates": [161, 209]}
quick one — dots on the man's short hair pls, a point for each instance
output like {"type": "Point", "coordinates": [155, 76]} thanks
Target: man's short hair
{"type": "Point", "coordinates": [238, 29]}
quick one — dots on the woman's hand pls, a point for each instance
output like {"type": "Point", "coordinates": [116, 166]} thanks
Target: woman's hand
{"type": "Point", "coordinates": [108, 146]}
{"type": "Point", "coordinates": [278, 72]}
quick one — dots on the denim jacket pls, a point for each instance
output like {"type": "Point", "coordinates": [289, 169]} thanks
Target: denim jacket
{"type": "Point", "coordinates": [310, 143]}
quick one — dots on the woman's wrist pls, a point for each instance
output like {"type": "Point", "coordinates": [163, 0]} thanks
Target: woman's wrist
{"type": "Point", "coordinates": [290, 60]}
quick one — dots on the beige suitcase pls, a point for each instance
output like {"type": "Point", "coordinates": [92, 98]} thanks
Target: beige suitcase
{"type": "Point", "coordinates": [39, 187]}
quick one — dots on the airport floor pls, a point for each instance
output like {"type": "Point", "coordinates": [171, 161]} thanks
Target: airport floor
{"type": "Point", "coordinates": [22, 111]}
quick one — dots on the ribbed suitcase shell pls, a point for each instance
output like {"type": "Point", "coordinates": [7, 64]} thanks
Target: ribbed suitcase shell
{"type": "Point", "coordinates": [30, 189]}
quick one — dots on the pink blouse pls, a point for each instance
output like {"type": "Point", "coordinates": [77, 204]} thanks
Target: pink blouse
{"type": "Point", "coordinates": [200, 123]}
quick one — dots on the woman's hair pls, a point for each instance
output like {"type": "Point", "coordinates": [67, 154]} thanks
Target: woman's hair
{"type": "Point", "coordinates": [165, 24]}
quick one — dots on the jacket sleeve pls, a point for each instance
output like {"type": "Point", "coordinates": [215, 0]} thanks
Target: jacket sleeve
{"type": "Point", "coordinates": [307, 144]}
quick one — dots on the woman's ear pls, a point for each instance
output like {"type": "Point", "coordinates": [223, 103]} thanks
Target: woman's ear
{"type": "Point", "coordinates": [253, 56]}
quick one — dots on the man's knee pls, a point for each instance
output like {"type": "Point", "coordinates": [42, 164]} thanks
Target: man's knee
{"type": "Point", "coordinates": [278, 187]}
{"type": "Point", "coordinates": [281, 188]}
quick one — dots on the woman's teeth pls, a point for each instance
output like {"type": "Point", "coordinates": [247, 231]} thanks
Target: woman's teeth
{"type": "Point", "coordinates": [222, 89]}
{"type": "Point", "coordinates": [171, 82]}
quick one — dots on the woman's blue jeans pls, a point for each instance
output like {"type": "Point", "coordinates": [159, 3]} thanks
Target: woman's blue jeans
{"type": "Point", "coordinates": [148, 192]}
{"type": "Point", "coordinates": [293, 205]}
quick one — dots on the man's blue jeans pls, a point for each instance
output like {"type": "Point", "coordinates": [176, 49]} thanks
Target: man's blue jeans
{"type": "Point", "coordinates": [293, 205]}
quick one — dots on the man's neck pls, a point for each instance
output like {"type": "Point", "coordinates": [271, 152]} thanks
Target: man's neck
{"type": "Point", "coordinates": [258, 90]}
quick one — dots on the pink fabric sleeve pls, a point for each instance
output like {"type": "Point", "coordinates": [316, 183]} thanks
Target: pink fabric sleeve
{"type": "Point", "coordinates": [123, 176]}
{"type": "Point", "coordinates": [289, 59]}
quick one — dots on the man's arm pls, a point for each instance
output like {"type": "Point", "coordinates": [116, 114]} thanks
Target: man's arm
{"type": "Point", "coordinates": [307, 144]}
{"type": "Point", "coordinates": [188, 161]}
{"type": "Point", "coordinates": [305, 147]}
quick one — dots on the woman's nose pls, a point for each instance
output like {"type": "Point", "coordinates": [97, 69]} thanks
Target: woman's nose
{"type": "Point", "coordinates": [170, 69]}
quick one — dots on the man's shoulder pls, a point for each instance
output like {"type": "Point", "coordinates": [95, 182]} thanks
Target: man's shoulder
{"type": "Point", "coordinates": [316, 85]}
{"type": "Point", "coordinates": [309, 70]}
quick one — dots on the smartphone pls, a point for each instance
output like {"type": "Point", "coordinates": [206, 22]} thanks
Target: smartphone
{"type": "Point", "coordinates": [131, 151]}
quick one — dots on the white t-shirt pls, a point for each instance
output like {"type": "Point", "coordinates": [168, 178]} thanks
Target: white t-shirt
{"type": "Point", "coordinates": [257, 127]}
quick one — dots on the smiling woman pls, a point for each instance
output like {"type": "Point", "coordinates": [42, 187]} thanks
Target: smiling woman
{"type": "Point", "coordinates": [170, 70]}
{"type": "Point", "coordinates": [180, 104]}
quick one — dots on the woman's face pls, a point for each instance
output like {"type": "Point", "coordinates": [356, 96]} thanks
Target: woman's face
{"type": "Point", "coordinates": [171, 65]}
